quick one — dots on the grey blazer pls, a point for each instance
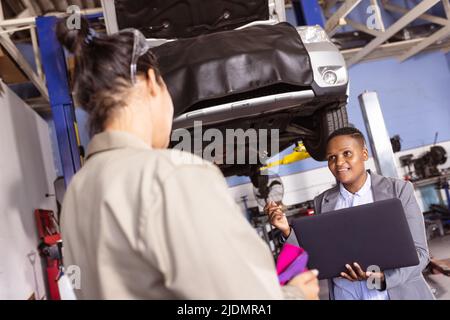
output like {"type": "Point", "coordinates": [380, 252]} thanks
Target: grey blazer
{"type": "Point", "coordinates": [403, 283]}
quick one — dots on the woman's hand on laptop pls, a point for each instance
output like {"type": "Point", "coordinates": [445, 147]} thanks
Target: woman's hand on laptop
{"type": "Point", "coordinates": [277, 217]}
{"type": "Point", "coordinates": [355, 273]}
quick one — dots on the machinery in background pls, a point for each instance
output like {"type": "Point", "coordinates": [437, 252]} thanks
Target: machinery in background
{"type": "Point", "coordinates": [267, 185]}
{"type": "Point", "coordinates": [423, 172]}
{"type": "Point", "coordinates": [396, 143]}
{"type": "Point", "coordinates": [426, 165]}
{"type": "Point", "coordinates": [272, 236]}
{"type": "Point", "coordinates": [267, 188]}
{"type": "Point", "coordinates": [50, 248]}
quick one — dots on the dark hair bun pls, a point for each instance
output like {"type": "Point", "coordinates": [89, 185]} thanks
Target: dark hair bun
{"type": "Point", "coordinates": [71, 35]}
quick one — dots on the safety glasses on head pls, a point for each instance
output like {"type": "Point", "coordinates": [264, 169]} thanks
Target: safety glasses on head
{"type": "Point", "coordinates": [140, 47]}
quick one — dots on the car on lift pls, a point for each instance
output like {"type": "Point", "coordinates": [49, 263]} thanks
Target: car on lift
{"type": "Point", "coordinates": [233, 65]}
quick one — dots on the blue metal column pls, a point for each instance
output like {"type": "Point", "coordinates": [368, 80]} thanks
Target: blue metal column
{"type": "Point", "coordinates": [308, 13]}
{"type": "Point", "coordinates": [54, 65]}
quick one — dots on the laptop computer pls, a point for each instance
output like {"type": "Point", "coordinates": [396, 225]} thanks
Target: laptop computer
{"type": "Point", "coordinates": [372, 234]}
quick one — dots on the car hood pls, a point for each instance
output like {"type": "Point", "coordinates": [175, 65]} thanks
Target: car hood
{"type": "Point", "coordinates": [232, 65]}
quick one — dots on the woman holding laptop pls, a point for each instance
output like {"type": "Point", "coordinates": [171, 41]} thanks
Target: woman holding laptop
{"type": "Point", "coordinates": [346, 156]}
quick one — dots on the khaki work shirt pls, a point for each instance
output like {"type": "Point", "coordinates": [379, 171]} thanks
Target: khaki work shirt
{"type": "Point", "coordinates": [159, 224]}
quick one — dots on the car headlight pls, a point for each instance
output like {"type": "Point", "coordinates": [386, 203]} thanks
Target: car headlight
{"type": "Point", "coordinates": [329, 76]}
{"type": "Point", "coordinates": [313, 34]}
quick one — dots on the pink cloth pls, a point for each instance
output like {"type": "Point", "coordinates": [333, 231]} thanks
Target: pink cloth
{"type": "Point", "coordinates": [288, 254]}
{"type": "Point", "coordinates": [291, 262]}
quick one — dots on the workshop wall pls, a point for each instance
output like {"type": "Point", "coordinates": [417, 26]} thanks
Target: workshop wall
{"type": "Point", "coordinates": [26, 176]}
{"type": "Point", "coordinates": [414, 96]}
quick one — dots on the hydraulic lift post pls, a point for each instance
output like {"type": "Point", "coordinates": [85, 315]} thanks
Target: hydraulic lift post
{"type": "Point", "coordinates": [380, 143]}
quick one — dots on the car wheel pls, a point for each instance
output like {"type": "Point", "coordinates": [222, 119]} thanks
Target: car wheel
{"type": "Point", "coordinates": [325, 123]}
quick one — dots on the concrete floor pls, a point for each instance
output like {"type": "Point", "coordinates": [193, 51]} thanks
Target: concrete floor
{"type": "Point", "coordinates": [440, 284]}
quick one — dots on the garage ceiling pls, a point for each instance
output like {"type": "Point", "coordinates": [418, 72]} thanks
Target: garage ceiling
{"type": "Point", "coordinates": [399, 39]}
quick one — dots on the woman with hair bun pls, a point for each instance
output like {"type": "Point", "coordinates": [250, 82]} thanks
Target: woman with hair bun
{"type": "Point", "coordinates": [143, 222]}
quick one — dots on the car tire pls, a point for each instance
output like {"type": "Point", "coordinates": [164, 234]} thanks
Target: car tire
{"type": "Point", "coordinates": [325, 123]}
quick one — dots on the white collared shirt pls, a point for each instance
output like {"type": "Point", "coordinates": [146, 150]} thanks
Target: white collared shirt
{"type": "Point", "coordinates": [357, 290]}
